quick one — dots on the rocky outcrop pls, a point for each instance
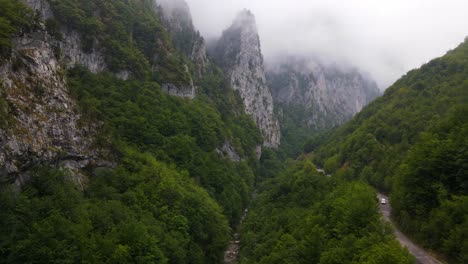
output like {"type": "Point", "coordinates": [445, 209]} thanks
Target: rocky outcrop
{"type": "Point", "coordinates": [186, 91]}
{"type": "Point", "coordinates": [227, 150]}
{"type": "Point", "coordinates": [44, 125]}
{"type": "Point", "coordinates": [68, 48]}
{"type": "Point", "coordinates": [199, 56]}
{"type": "Point", "coordinates": [72, 53]}
{"type": "Point", "coordinates": [177, 18]}
{"type": "Point", "coordinates": [239, 53]}
{"type": "Point", "coordinates": [180, 91]}
{"type": "Point", "coordinates": [41, 7]}
{"type": "Point", "coordinates": [330, 95]}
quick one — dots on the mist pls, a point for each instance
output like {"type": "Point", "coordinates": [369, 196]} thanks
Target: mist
{"type": "Point", "coordinates": [384, 39]}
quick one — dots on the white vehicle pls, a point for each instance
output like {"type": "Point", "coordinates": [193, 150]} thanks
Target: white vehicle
{"type": "Point", "coordinates": [383, 201]}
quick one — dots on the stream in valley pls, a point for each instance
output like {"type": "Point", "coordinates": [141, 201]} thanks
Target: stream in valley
{"type": "Point", "coordinates": [231, 255]}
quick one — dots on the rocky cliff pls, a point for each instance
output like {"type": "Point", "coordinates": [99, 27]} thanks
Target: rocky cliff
{"type": "Point", "coordinates": [43, 124]}
{"type": "Point", "coordinates": [238, 52]}
{"type": "Point", "coordinates": [70, 42]}
{"type": "Point", "coordinates": [177, 18]}
{"type": "Point", "coordinates": [329, 94]}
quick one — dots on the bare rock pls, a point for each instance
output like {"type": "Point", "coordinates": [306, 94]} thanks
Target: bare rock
{"type": "Point", "coordinates": [239, 53]}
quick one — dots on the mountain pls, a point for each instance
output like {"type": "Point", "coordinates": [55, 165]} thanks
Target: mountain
{"type": "Point", "coordinates": [36, 101]}
{"type": "Point", "coordinates": [108, 152]}
{"type": "Point", "coordinates": [98, 161]}
{"type": "Point", "coordinates": [412, 141]}
{"type": "Point", "coordinates": [177, 18]}
{"type": "Point", "coordinates": [239, 53]}
{"type": "Point", "coordinates": [329, 94]}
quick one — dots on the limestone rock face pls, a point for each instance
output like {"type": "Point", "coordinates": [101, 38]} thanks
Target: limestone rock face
{"type": "Point", "coordinates": [239, 53]}
{"type": "Point", "coordinates": [227, 150]}
{"type": "Point", "coordinates": [180, 91]}
{"type": "Point", "coordinates": [186, 91]}
{"type": "Point", "coordinates": [40, 6]}
{"type": "Point", "coordinates": [70, 44]}
{"type": "Point", "coordinates": [43, 125]}
{"type": "Point", "coordinates": [199, 56]}
{"type": "Point", "coordinates": [331, 95]}
{"type": "Point", "coordinates": [74, 55]}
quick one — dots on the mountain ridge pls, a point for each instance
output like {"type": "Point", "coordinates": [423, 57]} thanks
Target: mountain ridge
{"type": "Point", "coordinates": [330, 94]}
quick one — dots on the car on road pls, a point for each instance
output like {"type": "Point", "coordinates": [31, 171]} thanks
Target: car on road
{"type": "Point", "coordinates": [383, 201]}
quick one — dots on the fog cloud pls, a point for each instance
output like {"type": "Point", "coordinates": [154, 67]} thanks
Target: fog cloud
{"type": "Point", "coordinates": [385, 38]}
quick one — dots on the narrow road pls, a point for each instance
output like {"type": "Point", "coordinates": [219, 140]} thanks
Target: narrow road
{"type": "Point", "coordinates": [421, 256]}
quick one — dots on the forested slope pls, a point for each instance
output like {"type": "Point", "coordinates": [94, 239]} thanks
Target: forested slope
{"type": "Point", "coordinates": [167, 177]}
{"type": "Point", "coordinates": [172, 194]}
{"type": "Point", "coordinates": [303, 216]}
{"type": "Point", "coordinates": [413, 142]}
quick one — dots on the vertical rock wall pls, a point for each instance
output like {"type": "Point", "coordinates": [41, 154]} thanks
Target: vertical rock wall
{"type": "Point", "coordinates": [239, 53]}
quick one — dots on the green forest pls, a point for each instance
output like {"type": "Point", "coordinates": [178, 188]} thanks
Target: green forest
{"type": "Point", "coordinates": [412, 142]}
{"type": "Point", "coordinates": [174, 197]}
{"type": "Point", "coordinates": [303, 216]}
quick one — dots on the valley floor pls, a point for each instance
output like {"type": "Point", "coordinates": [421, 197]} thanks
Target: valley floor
{"type": "Point", "coordinates": [421, 255]}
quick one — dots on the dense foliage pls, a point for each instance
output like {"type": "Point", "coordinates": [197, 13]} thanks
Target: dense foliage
{"type": "Point", "coordinates": [375, 142]}
{"type": "Point", "coordinates": [430, 192]}
{"type": "Point", "coordinates": [174, 130]}
{"type": "Point", "coordinates": [14, 17]}
{"type": "Point", "coordinates": [174, 194]}
{"type": "Point", "coordinates": [129, 33]}
{"type": "Point", "coordinates": [141, 212]}
{"type": "Point", "coordinates": [302, 216]}
{"type": "Point", "coordinates": [294, 128]}
{"type": "Point", "coordinates": [413, 141]}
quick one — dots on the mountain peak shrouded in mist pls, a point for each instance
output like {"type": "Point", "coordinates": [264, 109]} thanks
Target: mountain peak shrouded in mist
{"type": "Point", "coordinates": [171, 5]}
{"type": "Point", "coordinates": [329, 94]}
{"type": "Point", "coordinates": [244, 18]}
{"type": "Point", "coordinates": [176, 16]}
{"type": "Point", "coordinates": [384, 38]}
{"type": "Point", "coordinates": [161, 158]}
{"type": "Point", "coordinates": [239, 53]}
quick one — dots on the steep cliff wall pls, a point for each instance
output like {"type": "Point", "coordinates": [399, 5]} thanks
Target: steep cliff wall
{"type": "Point", "coordinates": [69, 47]}
{"type": "Point", "coordinates": [44, 125]}
{"type": "Point", "coordinates": [329, 94]}
{"type": "Point", "coordinates": [239, 53]}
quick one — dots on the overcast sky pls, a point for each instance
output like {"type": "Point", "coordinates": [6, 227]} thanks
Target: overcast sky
{"type": "Point", "coordinates": [385, 38]}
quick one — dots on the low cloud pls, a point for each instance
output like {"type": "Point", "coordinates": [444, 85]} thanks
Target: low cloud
{"type": "Point", "coordinates": [384, 38]}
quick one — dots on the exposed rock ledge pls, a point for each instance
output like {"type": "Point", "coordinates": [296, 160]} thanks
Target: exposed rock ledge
{"type": "Point", "coordinates": [180, 91]}
{"type": "Point", "coordinates": [227, 150]}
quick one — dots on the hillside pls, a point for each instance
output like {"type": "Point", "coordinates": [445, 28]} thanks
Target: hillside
{"type": "Point", "coordinates": [303, 216]}
{"type": "Point", "coordinates": [311, 96]}
{"type": "Point", "coordinates": [98, 161]}
{"type": "Point", "coordinates": [123, 140]}
{"type": "Point", "coordinates": [413, 142]}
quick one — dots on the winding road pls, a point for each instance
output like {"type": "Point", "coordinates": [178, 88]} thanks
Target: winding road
{"type": "Point", "coordinates": [421, 256]}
